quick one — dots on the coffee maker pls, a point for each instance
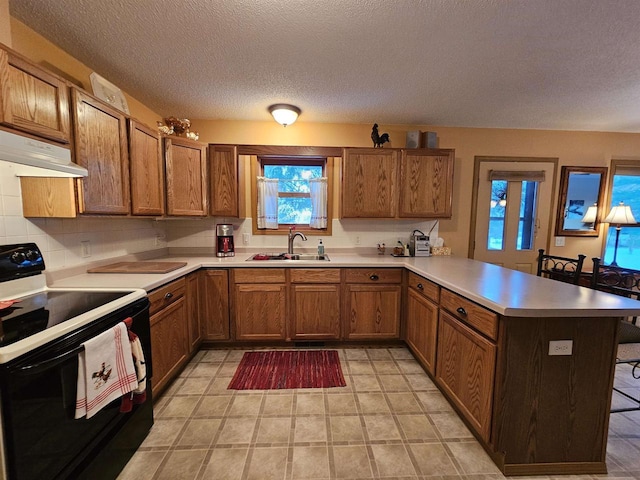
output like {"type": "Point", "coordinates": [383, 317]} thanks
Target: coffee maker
{"type": "Point", "coordinates": [224, 240]}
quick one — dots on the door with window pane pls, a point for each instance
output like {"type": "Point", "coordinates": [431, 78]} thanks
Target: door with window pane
{"type": "Point", "coordinates": [513, 211]}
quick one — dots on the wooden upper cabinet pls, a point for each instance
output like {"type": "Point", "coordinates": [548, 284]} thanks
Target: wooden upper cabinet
{"type": "Point", "coordinates": [426, 183]}
{"type": "Point", "coordinates": [147, 170]}
{"type": "Point", "coordinates": [101, 147]}
{"type": "Point", "coordinates": [32, 99]}
{"type": "Point", "coordinates": [223, 180]}
{"type": "Point", "coordinates": [186, 170]}
{"type": "Point", "coordinates": [369, 183]}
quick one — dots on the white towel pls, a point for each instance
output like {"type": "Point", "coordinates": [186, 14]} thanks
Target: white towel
{"type": "Point", "coordinates": [105, 371]}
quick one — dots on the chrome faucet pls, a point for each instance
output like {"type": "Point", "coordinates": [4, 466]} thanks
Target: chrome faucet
{"type": "Point", "coordinates": [292, 236]}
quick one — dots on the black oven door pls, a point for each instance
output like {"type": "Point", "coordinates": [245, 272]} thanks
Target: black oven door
{"type": "Point", "coordinates": [42, 438]}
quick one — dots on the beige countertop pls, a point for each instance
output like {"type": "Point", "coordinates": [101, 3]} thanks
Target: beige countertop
{"type": "Point", "coordinates": [507, 292]}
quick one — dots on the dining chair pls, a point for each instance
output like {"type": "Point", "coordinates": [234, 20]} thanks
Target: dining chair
{"type": "Point", "coordinates": [625, 282]}
{"type": "Point", "coordinates": [564, 269]}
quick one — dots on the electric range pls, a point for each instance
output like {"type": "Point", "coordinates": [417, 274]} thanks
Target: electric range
{"type": "Point", "coordinates": [42, 331]}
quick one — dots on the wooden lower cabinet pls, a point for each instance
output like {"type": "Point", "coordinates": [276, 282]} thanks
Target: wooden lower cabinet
{"type": "Point", "coordinates": [169, 333]}
{"type": "Point", "coordinates": [372, 312]}
{"type": "Point", "coordinates": [214, 304]}
{"type": "Point", "coordinates": [260, 311]}
{"type": "Point", "coordinates": [315, 312]}
{"type": "Point", "coordinates": [465, 371]}
{"type": "Point", "coordinates": [421, 329]}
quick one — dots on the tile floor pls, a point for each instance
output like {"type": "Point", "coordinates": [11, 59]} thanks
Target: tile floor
{"type": "Point", "coordinates": [390, 422]}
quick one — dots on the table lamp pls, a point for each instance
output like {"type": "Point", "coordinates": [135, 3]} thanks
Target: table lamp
{"type": "Point", "coordinates": [591, 215]}
{"type": "Point", "coordinates": [619, 215]}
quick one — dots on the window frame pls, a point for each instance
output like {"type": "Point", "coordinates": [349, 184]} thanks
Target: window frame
{"type": "Point", "coordinates": [274, 158]}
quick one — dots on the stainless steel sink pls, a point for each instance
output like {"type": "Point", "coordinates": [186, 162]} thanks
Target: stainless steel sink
{"type": "Point", "coordinates": [289, 256]}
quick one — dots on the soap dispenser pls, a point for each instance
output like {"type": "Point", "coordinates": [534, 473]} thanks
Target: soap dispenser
{"type": "Point", "coordinates": [320, 248]}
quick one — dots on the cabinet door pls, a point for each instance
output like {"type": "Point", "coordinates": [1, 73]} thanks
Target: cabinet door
{"type": "Point", "coordinates": [223, 180]}
{"type": "Point", "coordinates": [147, 170]}
{"type": "Point", "coordinates": [426, 183]}
{"type": "Point", "coordinates": [373, 311]}
{"type": "Point", "coordinates": [369, 183]}
{"type": "Point", "coordinates": [465, 370]}
{"type": "Point", "coordinates": [315, 311]}
{"type": "Point", "coordinates": [192, 295]}
{"type": "Point", "coordinates": [101, 147]}
{"type": "Point", "coordinates": [422, 328]}
{"type": "Point", "coordinates": [32, 99]}
{"type": "Point", "coordinates": [169, 343]}
{"type": "Point", "coordinates": [260, 311]}
{"type": "Point", "coordinates": [186, 169]}
{"type": "Point", "coordinates": [214, 301]}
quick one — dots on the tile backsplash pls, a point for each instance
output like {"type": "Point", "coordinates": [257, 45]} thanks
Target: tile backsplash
{"type": "Point", "coordinates": [73, 242]}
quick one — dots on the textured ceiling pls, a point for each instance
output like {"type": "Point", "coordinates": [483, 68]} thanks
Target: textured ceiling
{"type": "Point", "coordinates": [545, 64]}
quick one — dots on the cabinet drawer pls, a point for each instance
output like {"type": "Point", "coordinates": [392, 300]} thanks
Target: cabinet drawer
{"type": "Point", "coordinates": [259, 275]}
{"type": "Point", "coordinates": [315, 275]}
{"type": "Point", "coordinates": [425, 287]}
{"type": "Point", "coordinates": [374, 275]}
{"type": "Point", "coordinates": [166, 295]}
{"type": "Point", "coordinates": [483, 320]}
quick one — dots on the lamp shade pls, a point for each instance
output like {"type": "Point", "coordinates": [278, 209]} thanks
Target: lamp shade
{"type": "Point", "coordinates": [620, 215]}
{"type": "Point", "coordinates": [591, 214]}
{"type": "Point", "coordinates": [284, 114]}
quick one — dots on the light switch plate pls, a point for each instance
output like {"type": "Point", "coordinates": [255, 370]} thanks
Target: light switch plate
{"type": "Point", "coordinates": [559, 241]}
{"type": "Point", "coordinates": [560, 347]}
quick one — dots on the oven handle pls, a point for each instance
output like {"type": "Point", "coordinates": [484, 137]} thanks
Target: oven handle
{"type": "Point", "coordinates": [46, 364]}
{"type": "Point", "coordinates": [52, 362]}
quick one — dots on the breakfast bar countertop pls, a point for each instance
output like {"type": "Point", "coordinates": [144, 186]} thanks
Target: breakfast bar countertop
{"type": "Point", "coordinates": [507, 292]}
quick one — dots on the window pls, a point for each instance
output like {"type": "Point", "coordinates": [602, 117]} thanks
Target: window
{"type": "Point", "coordinates": [624, 187]}
{"type": "Point", "coordinates": [499, 209]}
{"type": "Point", "coordinates": [295, 190]}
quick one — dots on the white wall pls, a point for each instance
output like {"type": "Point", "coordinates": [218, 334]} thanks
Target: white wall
{"type": "Point", "coordinates": [60, 239]}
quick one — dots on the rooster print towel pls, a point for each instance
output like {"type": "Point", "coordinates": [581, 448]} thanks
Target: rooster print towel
{"type": "Point", "coordinates": [105, 371]}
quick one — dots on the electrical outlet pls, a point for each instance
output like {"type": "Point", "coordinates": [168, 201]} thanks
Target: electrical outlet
{"type": "Point", "coordinates": [158, 240]}
{"type": "Point", "coordinates": [357, 239]}
{"type": "Point", "coordinates": [245, 238]}
{"type": "Point", "coordinates": [85, 248]}
{"type": "Point", "coordinates": [559, 241]}
{"type": "Point", "coordinates": [560, 347]}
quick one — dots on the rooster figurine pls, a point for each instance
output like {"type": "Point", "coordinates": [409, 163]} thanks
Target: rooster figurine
{"type": "Point", "coordinates": [378, 139]}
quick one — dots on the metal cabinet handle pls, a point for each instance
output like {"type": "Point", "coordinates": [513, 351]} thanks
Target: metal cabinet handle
{"type": "Point", "coordinates": [374, 277]}
{"type": "Point", "coordinates": [461, 311]}
{"type": "Point", "coordinates": [168, 296]}
{"type": "Point", "coordinates": [420, 286]}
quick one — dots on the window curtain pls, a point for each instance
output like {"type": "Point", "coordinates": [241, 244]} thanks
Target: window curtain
{"type": "Point", "coordinates": [267, 202]}
{"type": "Point", "coordinates": [318, 194]}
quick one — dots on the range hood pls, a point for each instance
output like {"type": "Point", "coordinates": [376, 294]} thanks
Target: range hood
{"type": "Point", "coordinates": [33, 158]}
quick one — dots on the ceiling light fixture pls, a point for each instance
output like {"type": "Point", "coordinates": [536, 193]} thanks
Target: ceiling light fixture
{"type": "Point", "coordinates": [284, 114]}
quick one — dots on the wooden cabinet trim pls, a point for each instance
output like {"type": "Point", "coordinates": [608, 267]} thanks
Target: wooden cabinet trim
{"type": "Point", "coordinates": [424, 287]}
{"type": "Point", "coordinates": [147, 170]}
{"type": "Point", "coordinates": [315, 275]}
{"type": "Point", "coordinates": [483, 320]}
{"type": "Point", "coordinates": [373, 275]}
{"type": "Point", "coordinates": [223, 180]}
{"type": "Point", "coordinates": [473, 393]}
{"type": "Point", "coordinates": [259, 275]}
{"type": "Point", "coordinates": [164, 296]}
{"type": "Point", "coordinates": [106, 190]}
{"type": "Point", "coordinates": [192, 197]}
{"type": "Point", "coordinates": [48, 114]}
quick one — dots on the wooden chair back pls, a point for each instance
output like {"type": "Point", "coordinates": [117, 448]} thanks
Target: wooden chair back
{"type": "Point", "coordinates": [565, 269]}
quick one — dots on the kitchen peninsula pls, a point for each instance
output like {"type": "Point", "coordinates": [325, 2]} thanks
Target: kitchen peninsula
{"type": "Point", "coordinates": [527, 362]}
